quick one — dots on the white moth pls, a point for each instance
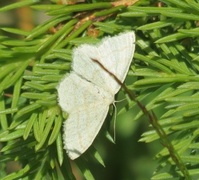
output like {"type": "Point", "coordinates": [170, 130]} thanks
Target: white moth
{"type": "Point", "coordinates": [86, 93]}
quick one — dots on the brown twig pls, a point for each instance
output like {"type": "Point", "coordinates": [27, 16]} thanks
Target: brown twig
{"type": "Point", "coordinates": [154, 122]}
